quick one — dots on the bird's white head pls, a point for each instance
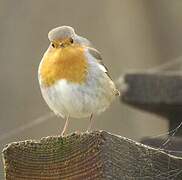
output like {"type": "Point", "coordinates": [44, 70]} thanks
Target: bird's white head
{"type": "Point", "coordinates": [62, 32]}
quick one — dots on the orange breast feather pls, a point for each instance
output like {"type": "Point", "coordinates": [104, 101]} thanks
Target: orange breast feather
{"type": "Point", "coordinates": [64, 63]}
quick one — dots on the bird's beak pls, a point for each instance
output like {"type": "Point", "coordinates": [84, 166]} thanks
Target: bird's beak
{"type": "Point", "coordinates": [62, 44]}
{"type": "Point", "coordinates": [65, 42]}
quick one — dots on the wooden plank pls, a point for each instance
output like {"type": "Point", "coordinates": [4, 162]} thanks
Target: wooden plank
{"type": "Point", "coordinates": [96, 155]}
{"type": "Point", "coordinates": [153, 89]}
{"type": "Point", "coordinates": [159, 93]}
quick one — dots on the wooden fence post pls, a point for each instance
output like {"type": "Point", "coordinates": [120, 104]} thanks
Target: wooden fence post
{"type": "Point", "coordinates": [89, 156]}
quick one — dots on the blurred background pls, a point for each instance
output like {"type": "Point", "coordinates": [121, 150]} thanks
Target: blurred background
{"type": "Point", "coordinates": [131, 35]}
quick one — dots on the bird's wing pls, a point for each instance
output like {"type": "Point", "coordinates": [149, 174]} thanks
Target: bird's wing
{"type": "Point", "coordinates": [96, 54]}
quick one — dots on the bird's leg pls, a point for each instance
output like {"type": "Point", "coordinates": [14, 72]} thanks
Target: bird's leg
{"type": "Point", "coordinates": [90, 123]}
{"type": "Point", "coordinates": [65, 126]}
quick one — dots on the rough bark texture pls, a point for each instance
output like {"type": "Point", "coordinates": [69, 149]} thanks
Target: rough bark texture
{"type": "Point", "coordinates": [96, 155]}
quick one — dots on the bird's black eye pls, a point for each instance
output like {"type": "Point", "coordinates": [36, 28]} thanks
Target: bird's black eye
{"type": "Point", "coordinates": [53, 45]}
{"type": "Point", "coordinates": [71, 40]}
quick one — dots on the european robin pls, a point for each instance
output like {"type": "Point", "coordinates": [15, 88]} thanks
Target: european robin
{"type": "Point", "coordinates": [73, 79]}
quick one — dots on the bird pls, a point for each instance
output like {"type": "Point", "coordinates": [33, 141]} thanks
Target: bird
{"type": "Point", "coordinates": [73, 79]}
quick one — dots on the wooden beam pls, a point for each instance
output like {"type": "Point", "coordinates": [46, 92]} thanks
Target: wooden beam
{"type": "Point", "coordinates": [88, 156]}
{"type": "Point", "coordinates": [159, 93]}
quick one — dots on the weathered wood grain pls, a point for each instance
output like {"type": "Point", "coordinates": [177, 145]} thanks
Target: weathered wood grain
{"type": "Point", "coordinates": [89, 156]}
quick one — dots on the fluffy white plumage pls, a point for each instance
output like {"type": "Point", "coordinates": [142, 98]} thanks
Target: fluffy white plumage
{"type": "Point", "coordinates": [80, 100]}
